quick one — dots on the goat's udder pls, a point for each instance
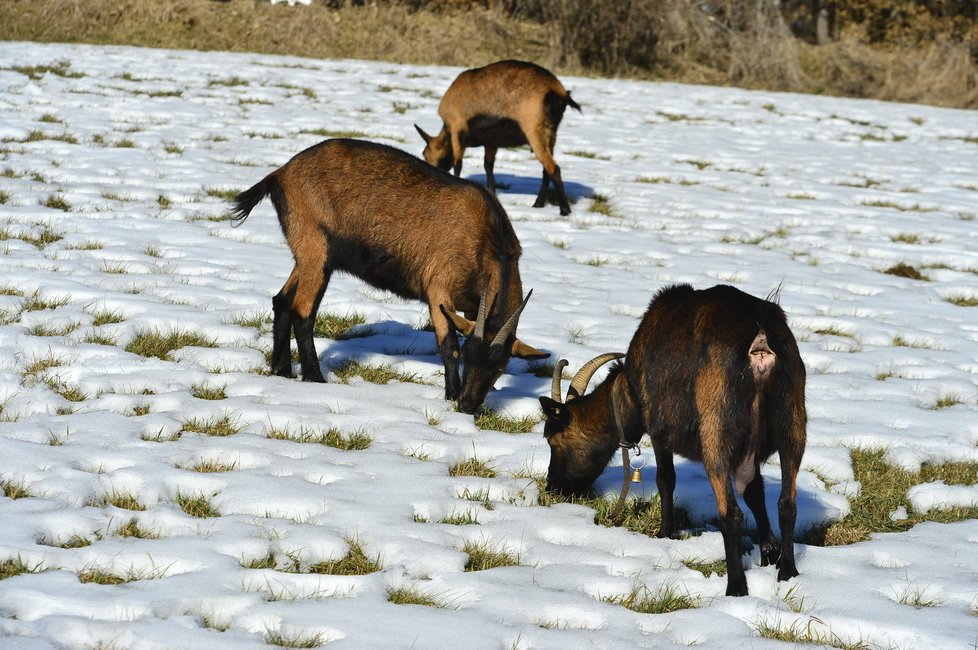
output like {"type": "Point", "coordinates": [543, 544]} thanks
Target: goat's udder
{"type": "Point", "coordinates": [761, 356]}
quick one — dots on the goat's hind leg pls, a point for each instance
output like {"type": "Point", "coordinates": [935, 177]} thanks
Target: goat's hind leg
{"type": "Point", "coordinates": [787, 512]}
{"type": "Point", "coordinates": [296, 305]}
{"type": "Point", "coordinates": [551, 172]}
{"type": "Point", "coordinates": [282, 333]}
{"type": "Point", "coordinates": [754, 498]}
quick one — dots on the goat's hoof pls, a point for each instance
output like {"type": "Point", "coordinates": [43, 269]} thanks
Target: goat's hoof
{"type": "Point", "coordinates": [564, 213]}
{"type": "Point", "coordinates": [786, 572]}
{"type": "Point", "coordinates": [770, 553]}
{"type": "Point", "coordinates": [538, 203]}
{"type": "Point", "coordinates": [283, 372]}
{"type": "Point", "coordinates": [739, 589]}
{"type": "Point", "coordinates": [315, 377]}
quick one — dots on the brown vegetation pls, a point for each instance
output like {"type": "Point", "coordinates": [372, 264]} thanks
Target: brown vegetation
{"type": "Point", "coordinates": [916, 50]}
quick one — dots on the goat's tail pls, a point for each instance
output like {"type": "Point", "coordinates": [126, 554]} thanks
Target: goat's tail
{"type": "Point", "coordinates": [245, 202]}
{"type": "Point", "coordinates": [572, 103]}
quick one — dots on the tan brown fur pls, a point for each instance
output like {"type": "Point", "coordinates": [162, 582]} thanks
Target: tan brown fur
{"type": "Point", "coordinates": [504, 104]}
{"type": "Point", "coordinates": [386, 217]}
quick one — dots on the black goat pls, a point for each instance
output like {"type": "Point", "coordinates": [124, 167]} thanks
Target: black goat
{"type": "Point", "coordinates": [713, 375]}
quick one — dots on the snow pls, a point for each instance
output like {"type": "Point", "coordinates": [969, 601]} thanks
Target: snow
{"type": "Point", "coordinates": [811, 196]}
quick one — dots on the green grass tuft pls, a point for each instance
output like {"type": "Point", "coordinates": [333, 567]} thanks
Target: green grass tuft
{"type": "Point", "coordinates": [337, 327]}
{"type": "Point", "coordinates": [156, 344]}
{"type": "Point", "coordinates": [903, 270]}
{"type": "Point", "coordinates": [381, 374]}
{"type": "Point", "coordinates": [294, 639]}
{"type": "Point", "coordinates": [601, 204]}
{"type": "Point", "coordinates": [13, 490]}
{"type": "Point", "coordinates": [963, 301]}
{"type": "Point", "coordinates": [203, 391]}
{"type": "Point", "coordinates": [134, 530]}
{"type": "Point", "coordinates": [354, 563]}
{"type": "Point", "coordinates": [196, 506]}
{"type": "Point", "coordinates": [669, 598]}
{"type": "Point", "coordinates": [411, 596]}
{"type": "Point", "coordinates": [472, 467]}
{"type": "Point", "coordinates": [884, 490]}
{"type": "Point", "coordinates": [481, 557]}
{"type": "Point", "coordinates": [489, 419]}
{"type": "Point", "coordinates": [220, 427]}
{"type": "Point", "coordinates": [333, 437]}
{"type": "Point", "coordinates": [14, 567]}
{"type": "Point", "coordinates": [465, 518]}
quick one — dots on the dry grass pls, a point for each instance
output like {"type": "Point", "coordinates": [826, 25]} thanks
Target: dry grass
{"type": "Point", "coordinates": [665, 39]}
{"type": "Point", "coordinates": [354, 563]}
{"type": "Point", "coordinates": [397, 32]}
{"type": "Point", "coordinates": [884, 490]}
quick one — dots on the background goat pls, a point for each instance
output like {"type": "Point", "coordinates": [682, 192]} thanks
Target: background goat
{"type": "Point", "coordinates": [504, 104]}
{"type": "Point", "coordinates": [399, 224]}
{"type": "Point", "coordinates": [712, 375]}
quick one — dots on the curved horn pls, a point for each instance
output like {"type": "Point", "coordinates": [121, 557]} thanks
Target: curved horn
{"type": "Point", "coordinates": [583, 376]}
{"type": "Point", "coordinates": [480, 319]}
{"type": "Point", "coordinates": [555, 382]}
{"type": "Point", "coordinates": [510, 325]}
{"type": "Point", "coordinates": [424, 135]}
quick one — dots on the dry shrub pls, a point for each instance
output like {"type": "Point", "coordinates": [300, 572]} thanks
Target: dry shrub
{"type": "Point", "coordinates": [940, 73]}
{"type": "Point", "coordinates": [740, 43]}
{"type": "Point", "coordinates": [379, 31]}
{"type": "Point", "coordinates": [606, 36]}
{"type": "Point", "coordinates": [918, 51]}
{"type": "Point", "coordinates": [944, 73]}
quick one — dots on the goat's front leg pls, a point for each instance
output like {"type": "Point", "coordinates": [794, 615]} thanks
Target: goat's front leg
{"type": "Point", "coordinates": [665, 481]}
{"type": "Point", "coordinates": [458, 152]}
{"type": "Point", "coordinates": [448, 348]}
{"type": "Point", "coordinates": [754, 498]}
{"type": "Point", "coordinates": [490, 163]}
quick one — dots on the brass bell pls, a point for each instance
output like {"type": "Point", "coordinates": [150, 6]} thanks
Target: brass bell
{"type": "Point", "coordinates": [637, 475]}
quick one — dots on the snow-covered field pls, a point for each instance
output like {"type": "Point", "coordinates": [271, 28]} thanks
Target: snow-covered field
{"type": "Point", "coordinates": [116, 164]}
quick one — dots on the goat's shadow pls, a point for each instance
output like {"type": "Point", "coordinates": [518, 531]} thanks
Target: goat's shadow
{"type": "Point", "coordinates": [400, 342]}
{"type": "Point", "coordinates": [695, 495]}
{"type": "Point", "coordinates": [510, 184]}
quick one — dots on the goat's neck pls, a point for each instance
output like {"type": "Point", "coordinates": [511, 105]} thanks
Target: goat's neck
{"type": "Point", "coordinates": [507, 287]}
{"type": "Point", "coordinates": [611, 414]}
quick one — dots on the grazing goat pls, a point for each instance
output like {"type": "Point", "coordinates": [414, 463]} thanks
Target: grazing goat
{"type": "Point", "coordinates": [504, 104]}
{"type": "Point", "coordinates": [713, 375]}
{"type": "Point", "coordinates": [386, 217]}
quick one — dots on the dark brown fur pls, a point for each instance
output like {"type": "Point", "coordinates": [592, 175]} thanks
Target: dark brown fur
{"type": "Point", "coordinates": [389, 219]}
{"type": "Point", "coordinates": [712, 375]}
{"type": "Point", "coordinates": [504, 104]}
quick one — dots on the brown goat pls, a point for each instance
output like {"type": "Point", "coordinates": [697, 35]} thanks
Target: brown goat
{"type": "Point", "coordinates": [504, 104]}
{"type": "Point", "coordinates": [386, 217]}
{"type": "Point", "coordinates": [713, 375]}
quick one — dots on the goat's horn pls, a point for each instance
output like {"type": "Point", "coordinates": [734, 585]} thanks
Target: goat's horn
{"type": "Point", "coordinates": [480, 319]}
{"type": "Point", "coordinates": [555, 383]}
{"type": "Point", "coordinates": [583, 376]}
{"type": "Point", "coordinates": [424, 135]}
{"type": "Point", "coordinates": [510, 325]}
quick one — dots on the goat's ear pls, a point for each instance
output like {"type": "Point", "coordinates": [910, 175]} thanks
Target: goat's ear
{"type": "Point", "coordinates": [524, 351]}
{"type": "Point", "coordinates": [424, 136]}
{"type": "Point", "coordinates": [554, 411]}
{"type": "Point", "coordinates": [460, 323]}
